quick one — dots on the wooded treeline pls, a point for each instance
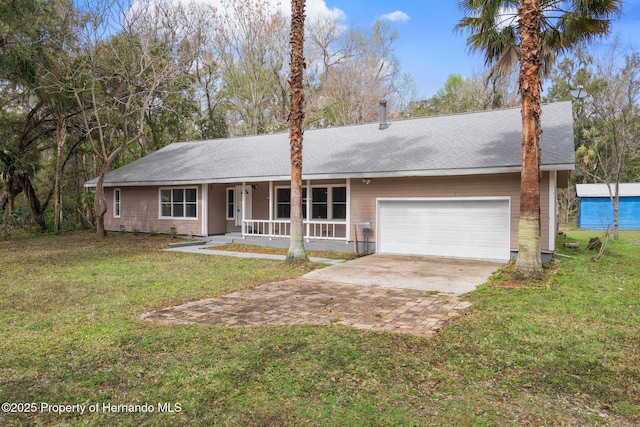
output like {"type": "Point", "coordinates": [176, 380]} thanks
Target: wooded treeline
{"type": "Point", "coordinates": [87, 86]}
{"type": "Point", "coordinates": [606, 96]}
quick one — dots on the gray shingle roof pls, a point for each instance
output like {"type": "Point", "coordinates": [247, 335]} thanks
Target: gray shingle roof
{"type": "Point", "coordinates": [472, 143]}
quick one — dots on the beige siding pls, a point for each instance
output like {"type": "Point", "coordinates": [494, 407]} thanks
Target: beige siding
{"type": "Point", "coordinates": [260, 201]}
{"type": "Point", "coordinates": [140, 211]}
{"type": "Point", "coordinates": [140, 205]}
{"type": "Point", "coordinates": [217, 209]}
{"type": "Point", "coordinates": [363, 196]}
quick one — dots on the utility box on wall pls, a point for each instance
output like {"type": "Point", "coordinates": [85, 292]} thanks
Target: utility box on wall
{"type": "Point", "coordinates": [364, 245]}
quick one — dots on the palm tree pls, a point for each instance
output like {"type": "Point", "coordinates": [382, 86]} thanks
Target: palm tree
{"type": "Point", "coordinates": [296, 254]}
{"type": "Point", "coordinates": [533, 32]}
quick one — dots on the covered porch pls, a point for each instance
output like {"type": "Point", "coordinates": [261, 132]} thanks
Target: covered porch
{"type": "Point", "coordinates": [261, 210]}
{"type": "Point", "coordinates": [283, 242]}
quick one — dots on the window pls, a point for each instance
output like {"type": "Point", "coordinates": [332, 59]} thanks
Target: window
{"type": "Point", "coordinates": [283, 208]}
{"type": "Point", "coordinates": [339, 202]}
{"type": "Point", "coordinates": [319, 206]}
{"type": "Point", "coordinates": [283, 202]}
{"type": "Point", "coordinates": [326, 202]}
{"type": "Point", "coordinates": [179, 203]}
{"type": "Point", "coordinates": [231, 205]}
{"type": "Point", "coordinates": [116, 203]}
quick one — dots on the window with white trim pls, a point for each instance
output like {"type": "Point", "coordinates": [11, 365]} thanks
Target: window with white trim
{"type": "Point", "coordinates": [283, 203]}
{"type": "Point", "coordinates": [178, 203]}
{"type": "Point", "coordinates": [339, 202]}
{"type": "Point", "coordinates": [328, 202]}
{"type": "Point", "coordinates": [231, 205]}
{"type": "Point", "coordinates": [116, 202]}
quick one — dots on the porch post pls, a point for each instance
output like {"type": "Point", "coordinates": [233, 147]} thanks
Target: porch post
{"type": "Point", "coordinates": [270, 210]}
{"type": "Point", "coordinates": [205, 210]}
{"type": "Point", "coordinates": [348, 220]}
{"type": "Point", "coordinates": [244, 206]}
{"type": "Point", "coordinates": [309, 201]}
{"type": "Point", "coordinates": [553, 213]}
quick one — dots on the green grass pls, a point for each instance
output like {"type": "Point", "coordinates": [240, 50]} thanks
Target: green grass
{"type": "Point", "coordinates": [563, 354]}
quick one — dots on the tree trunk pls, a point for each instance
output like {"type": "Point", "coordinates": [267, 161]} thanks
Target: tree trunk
{"type": "Point", "coordinates": [616, 210]}
{"type": "Point", "coordinates": [11, 189]}
{"type": "Point", "coordinates": [61, 136]}
{"type": "Point", "coordinates": [100, 203]}
{"type": "Point", "coordinates": [5, 225]}
{"type": "Point", "coordinates": [6, 203]}
{"type": "Point", "coordinates": [529, 263]}
{"type": "Point", "coordinates": [34, 203]}
{"type": "Point", "coordinates": [296, 253]}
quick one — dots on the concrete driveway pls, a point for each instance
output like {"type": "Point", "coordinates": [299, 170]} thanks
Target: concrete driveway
{"type": "Point", "coordinates": [446, 275]}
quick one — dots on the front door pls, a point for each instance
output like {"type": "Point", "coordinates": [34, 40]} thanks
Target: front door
{"type": "Point", "coordinates": [247, 201]}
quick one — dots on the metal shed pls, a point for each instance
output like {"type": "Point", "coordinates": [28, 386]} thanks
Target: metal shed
{"type": "Point", "coordinates": [596, 208]}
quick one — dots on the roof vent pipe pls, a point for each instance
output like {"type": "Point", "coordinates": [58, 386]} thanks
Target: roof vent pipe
{"type": "Point", "coordinates": [383, 116]}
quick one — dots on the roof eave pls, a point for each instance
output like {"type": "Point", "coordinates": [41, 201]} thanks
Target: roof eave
{"type": "Point", "coordinates": [345, 175]}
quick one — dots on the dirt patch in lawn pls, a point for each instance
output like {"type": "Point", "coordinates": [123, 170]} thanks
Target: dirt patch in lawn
{"type": "Point", "coordinates": [257, 249]}
{"type": "Point", "coordinates": [505, 277]}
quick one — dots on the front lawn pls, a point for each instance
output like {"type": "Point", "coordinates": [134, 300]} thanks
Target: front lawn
{"type": "Point", "coordinates": [71, 338]}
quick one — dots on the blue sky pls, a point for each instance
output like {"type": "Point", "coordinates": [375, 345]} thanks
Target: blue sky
{"type": "Point", "coordinates": [428, 47]}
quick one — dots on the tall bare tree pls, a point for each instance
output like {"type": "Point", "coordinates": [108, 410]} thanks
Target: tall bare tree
{"type": "Point", "coordinates": [616, 130]}
{"type": "Point", "coordinates": [352, 72]}
{"type": "Point", "coordinates": [128, 60]}
{"type": "Point", "coordinates": [296, 253]}
{"type": "Point", "coordinates": [249, 47]}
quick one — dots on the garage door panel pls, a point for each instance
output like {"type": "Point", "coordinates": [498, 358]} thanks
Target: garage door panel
{"type": "Point", "coordinates": [451, 228]}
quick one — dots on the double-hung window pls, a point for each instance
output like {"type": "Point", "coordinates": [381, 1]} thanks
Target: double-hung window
{"type": "Point", "coordinates": [326, 203]}
{"type": "Point", "coordinates": [116, 202]}
{"type": "Point", "coordinates": [283, 203]}
{"type": "Point", "coordinates": [231, 204]}
{"type": "Point", "coordinates": [178, 203]}
{"type": "Point", "coordinates": [339, 202]}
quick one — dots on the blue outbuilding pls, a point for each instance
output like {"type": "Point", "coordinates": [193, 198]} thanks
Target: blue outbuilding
{"type": "Point", "coordinates": [596, 209]}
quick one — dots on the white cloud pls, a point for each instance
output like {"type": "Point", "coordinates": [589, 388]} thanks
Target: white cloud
{"type": "Point", "coordinates": [397, 16]}
{"type": "Point", "coordinates": [314, 8]}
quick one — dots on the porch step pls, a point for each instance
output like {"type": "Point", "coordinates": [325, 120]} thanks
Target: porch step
{"type": "Point", "coordinates": [222, 239]}
{"type": "Point", "coordinates": [190, 243]}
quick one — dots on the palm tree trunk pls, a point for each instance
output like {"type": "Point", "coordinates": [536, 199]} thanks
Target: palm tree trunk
{"type": "Point", "coordinates": [296, 253]}
{"type": "Point", "coordinates": [529, 263]}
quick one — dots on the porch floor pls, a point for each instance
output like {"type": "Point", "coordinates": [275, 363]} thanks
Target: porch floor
{"type": "Point", "coordinates": [313, 245]}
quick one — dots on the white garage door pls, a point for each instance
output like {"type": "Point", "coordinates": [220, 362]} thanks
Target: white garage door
{"type": "Point", "coordinates": [460, 228]}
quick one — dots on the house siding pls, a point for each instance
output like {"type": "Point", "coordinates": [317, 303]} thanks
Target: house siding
{"type": "Point", "coordinates": [364, 196]}
{"type": "Point", "coordinates": [139, 211]}
{"type": "Point", "coordinates": [217, 209]}
{"type": "Point", "coordinates": [140, 205]}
